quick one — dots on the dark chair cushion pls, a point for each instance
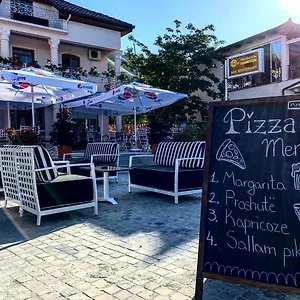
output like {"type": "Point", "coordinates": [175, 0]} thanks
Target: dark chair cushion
{"type": "Point", "coordinates": [65, 190]}
{"type": "Point", "coordinates": [162, 177]}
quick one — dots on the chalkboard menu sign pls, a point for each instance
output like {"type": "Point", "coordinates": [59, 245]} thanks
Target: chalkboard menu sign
{"type": "Point", "coordinates": [250, 223]}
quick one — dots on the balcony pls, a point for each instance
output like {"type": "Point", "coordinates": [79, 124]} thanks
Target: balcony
{"type": "Point", "coordinates": [27, 12]}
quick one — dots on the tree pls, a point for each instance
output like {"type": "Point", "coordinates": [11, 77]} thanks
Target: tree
{"type": "Point", "coordinates": [183, 63]}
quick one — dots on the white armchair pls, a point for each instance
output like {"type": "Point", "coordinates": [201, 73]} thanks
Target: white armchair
{"type": "Point", "coordinates": [38, 186]}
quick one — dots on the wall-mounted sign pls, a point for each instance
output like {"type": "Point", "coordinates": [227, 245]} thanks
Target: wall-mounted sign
{"type": "Point", "coordinates": [245, 64]}
{"type": "Point", "coordinates": [294, 104]}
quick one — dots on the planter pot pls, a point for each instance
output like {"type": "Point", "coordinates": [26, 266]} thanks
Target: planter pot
{"type": "Point", "coordinates": [64, 149]}
{"type": "Point", "coordinates": [153, 148]}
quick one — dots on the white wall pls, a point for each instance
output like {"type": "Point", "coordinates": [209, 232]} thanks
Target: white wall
{"type": "Point", "coordinates": [83, 54]}
{"type": "Point", "coordinates": [41, 48]}
{"type": "Point", "coordinates": [93, 36]}
{"type": "Point", "coordinates": [218, 72]}
{"type": "Point", "coordinates": [42, 52]}
{"type": "Point", "coordinates": [269, 90]}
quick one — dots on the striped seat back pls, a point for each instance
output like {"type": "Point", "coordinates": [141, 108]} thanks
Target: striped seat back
{"type": "Point", "coordinates": [42, 159]}
{"type": "Point", "coordinates": [102, 148]}
{"type": "Point", "coordinates": [167, 153]}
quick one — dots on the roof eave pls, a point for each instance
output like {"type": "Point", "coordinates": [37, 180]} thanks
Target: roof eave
{"type": "Point", "coordinates": [92, 21]}
{"type": "Point", "coordinates": [282, 29]}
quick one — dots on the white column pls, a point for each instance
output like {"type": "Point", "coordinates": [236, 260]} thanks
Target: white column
{"type": "Point", "coordinates": [284, 59]}
{"type": "Point", "coordinates": [118, 56]}
{"type": "Point", "coordinates": [55, 111]}
{"type": "Point", "coordinates": [5, 51]}
{"type": "Point", "coordinates": [119, 124]}
{"type": "Point", "coordinates": [48, 121]}
{"type": "Point", "coordinates": [54, 43]}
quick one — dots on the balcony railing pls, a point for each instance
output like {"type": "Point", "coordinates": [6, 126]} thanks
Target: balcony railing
{"type": "Point", "coordinates": [29, 13]}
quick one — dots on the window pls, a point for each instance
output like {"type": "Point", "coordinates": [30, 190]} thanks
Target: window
{"type": "Point", "coordinates": [276, 61]}
{"type": "Point", "coordinates": [70, 61]}
{"type": "Point", "coordinates": [272, 72]}
{"type": "Point", "coordinates": [294, 55]}
{"type": "Point", "coordinates": [25, 56]}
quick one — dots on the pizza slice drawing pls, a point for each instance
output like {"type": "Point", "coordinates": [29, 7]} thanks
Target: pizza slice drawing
{"type": "Point", "coordinates": [230, 152]}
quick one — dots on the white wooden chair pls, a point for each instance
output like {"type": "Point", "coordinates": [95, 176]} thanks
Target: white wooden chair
{"type": "Point", "coordinates": [31, 178]}
{"type": "Point", "coordinates": [143, 140]}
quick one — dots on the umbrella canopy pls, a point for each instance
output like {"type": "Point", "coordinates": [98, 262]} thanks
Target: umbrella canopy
{"type": "Point", "coordinates": [34, 76]}
{"type": "Point", "coordinates": [19, 97]}
{"type": "Point", "coordinates": [136, 97]}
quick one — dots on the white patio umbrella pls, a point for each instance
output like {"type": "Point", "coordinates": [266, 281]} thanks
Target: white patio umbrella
{"type": "Point", "coordinates": [33, 78]}
{"type": "Point", "coordinates": [136, 97]}
{"type": "Point", "coordinates": [20, 97]}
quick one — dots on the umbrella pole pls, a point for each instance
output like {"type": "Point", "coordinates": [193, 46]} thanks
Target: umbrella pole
{"type": "Point", "coordinates": [32, 106]}
{"type": "Point", "coordinates": [102, 122]}
{"type": "Point", "coordinates": [8, 115]}
{"type": "Point", "coordinates": [135, 125]}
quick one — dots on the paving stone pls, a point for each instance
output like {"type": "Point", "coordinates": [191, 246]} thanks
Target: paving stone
{"type": "Point", "coordinates": [147, 294]}
{"type": "Point", "coordinates": [226, 296]}
{"type": "Point", "coordinates": [136, 289]}
{"type": "Point", "coordinates": [79, 296]}
{"type": "Point", "coordinates": [111, 289]}
{"type": "Point", "coordinates": [104, 297]}
{"type": "Point", "coordinates": [178, 296]}
{"type": "Point", "coordinates": [122, 295]}
{"type": "Point", "coordinates": [163, 291]}
{"type": "Point", "coordinates": [250, 295]}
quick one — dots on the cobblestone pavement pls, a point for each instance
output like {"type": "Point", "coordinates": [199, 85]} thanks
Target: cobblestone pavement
{"type": "Point", "coordinates": [143, 248]}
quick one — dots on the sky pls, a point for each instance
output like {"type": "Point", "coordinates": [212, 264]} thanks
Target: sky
{"type": "Point", "coordinates": [234, 20]}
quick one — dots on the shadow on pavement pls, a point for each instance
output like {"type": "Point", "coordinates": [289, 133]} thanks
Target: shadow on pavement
{"type": "Point", "coordinates": [146, 214]}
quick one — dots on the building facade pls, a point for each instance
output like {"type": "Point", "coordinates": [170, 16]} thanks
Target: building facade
{"type": "Point", "coordinates": [59, 32]}
{"type": "Point", "coordinates": [281, 59]}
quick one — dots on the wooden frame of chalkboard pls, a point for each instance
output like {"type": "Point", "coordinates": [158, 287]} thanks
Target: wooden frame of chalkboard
{"type": "Point", "coordinates": [201, 275]}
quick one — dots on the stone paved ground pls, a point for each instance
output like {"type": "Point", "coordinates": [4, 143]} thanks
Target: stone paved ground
{"type": "Point", "coordinates": [143, 248]}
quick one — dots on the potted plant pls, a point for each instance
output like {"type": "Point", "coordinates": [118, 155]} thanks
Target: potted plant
{"type": "Point", "coordinates": [159, 130]}
{"type": "Point", "coordinates": [26, 137]}
{"type": "Point", "coordinates": [63, 134]}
